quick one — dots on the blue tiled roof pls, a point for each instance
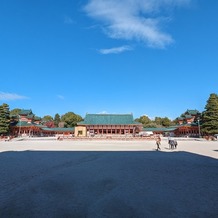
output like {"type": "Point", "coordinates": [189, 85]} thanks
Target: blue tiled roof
{"type": "Point", "coordinates": [163, 129]}
{"type": "Point", "coordinates": [59, 129]}
{"type": "Point", "coordinates": [108, 119]}
{"type": "Point", "coordinates": [25, 112]}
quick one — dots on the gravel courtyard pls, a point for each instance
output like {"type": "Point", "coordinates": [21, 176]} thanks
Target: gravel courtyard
{"type": "Point", "coordinates": [48, 178]}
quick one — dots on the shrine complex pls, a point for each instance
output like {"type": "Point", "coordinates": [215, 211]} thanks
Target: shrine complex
{"type": "Point", "coordinates": [104, 125]}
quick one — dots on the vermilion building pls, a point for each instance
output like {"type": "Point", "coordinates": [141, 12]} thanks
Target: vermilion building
{"type": "Point", "coordinates": [107, 124]}
{"type": "Point", "coordinates": [27, 124]}
{"type": "Point", "coordinates": [188, 125]}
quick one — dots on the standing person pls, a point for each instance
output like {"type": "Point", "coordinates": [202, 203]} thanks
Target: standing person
{"type": "Point", "coordinates": [175, 143]}
{"type": "Point", "coordinates": [169, 142]}
{"type": "Point", "coordinates": [158, 142]}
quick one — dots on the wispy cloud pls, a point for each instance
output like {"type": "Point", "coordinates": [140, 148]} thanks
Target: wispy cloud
{"type": "Point", "coordinates": [61, 97]}
{"type": "Point", "coordinates": [116, 50]}
{"type": "Point", "coordinates": [103, 112]}
{"type": "Point", "coordinates": [68, 20]}
{"type": "Point", "coordinates": [11, 96]}
{"type": "Point", "coordinates": [139, 20]}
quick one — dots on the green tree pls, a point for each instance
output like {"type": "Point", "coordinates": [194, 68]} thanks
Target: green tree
{"type": "Point", "coordinates": [47, 118]}
{"type": "Point", "coordinates": [145, 120]}
{"type": "Point", "coordinates": [209, 122]}
{"type": "Point", "coordinates": [71, 119]}
{"type": "Point", "coordinates": [15, 112]}
{"type": "Point", "coordinates": [57, 119]}
{"type": "Point", "coordinates": [158, 121]}
{"type": "Point", "coordinates": [4, 119]}
{"type": "Point", "coordinates": [152, 124]}
{"type": "Point", "coordinates": [166, 122]}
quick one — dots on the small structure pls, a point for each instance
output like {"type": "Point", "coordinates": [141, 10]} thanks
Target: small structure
{"type": "Point", "coordinates": [160, 131]}
{"type": "Point", "coordinates": [58, 132]}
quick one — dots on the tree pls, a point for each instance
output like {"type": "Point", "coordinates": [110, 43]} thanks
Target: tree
{"type": "Point", "coordinates": [15, 112]}
{"type": "Point", "coordinates": [49, 124]}
{"type": "Point", "coordinates": [71, 119]}
{"type": "Point", "coordinates": [152, 124]}
{"type": "Point", "coordinates": [57, 119]}
{"type": "Point", "coordinates": [166, 122]}
{"type": "Point", "coordinates": [47, 118]}
{"type": "Point", "coordinates": [158, 120]}
{"type": "Point", "coordinates": [4, 119]}
{"type": "Point", "coordinates": [210, 116]}
{"type": "Point", "coordinates": [144, 120]}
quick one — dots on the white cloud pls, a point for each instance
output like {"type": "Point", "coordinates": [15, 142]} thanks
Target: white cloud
{"type": "Point", "coordinates": [116, 50]}
{"type": "Point", "coordinates": [60, 97]}
{"type": "Point", "coordinates": [103, 112]}
{"type": "Point", "coordinates": [11, 96]}
{"type": "Point", "coordinates": [139, 20]}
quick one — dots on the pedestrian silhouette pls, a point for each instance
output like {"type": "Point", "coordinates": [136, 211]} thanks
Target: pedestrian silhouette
{"type": "Point", "coordinates": [158, 142]}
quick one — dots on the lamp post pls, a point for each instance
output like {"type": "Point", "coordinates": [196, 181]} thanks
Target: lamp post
{"type": "Point", "coordinates": [19, 126]}
{"type": "Point", "coordinates": [199, 130]}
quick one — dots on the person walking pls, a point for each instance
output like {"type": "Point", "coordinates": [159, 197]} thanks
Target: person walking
{"type": "Point", "coordinates": [169, 140]}
{"type": "Point", "coordinates": [158, 142]}
{"type": "Point", "coordinates": [175, 143]}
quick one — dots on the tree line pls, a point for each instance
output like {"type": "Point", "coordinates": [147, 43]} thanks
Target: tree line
{"type": "Point", "coordinates": [156, 123]}
{"type": "Point", "coordinates": [208, 119]}
{"type": "Point", "coordinates": [69, 119]}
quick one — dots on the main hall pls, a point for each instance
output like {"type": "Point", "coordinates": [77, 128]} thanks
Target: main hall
{"type": "Point", "coordinates": [95, 124]}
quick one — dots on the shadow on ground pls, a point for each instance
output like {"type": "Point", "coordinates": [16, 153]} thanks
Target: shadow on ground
{"type": "Point", "coordinates": [107, 184]}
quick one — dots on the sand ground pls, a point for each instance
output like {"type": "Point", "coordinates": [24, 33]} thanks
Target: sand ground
{"type": "Point", "coordinates": [48, 178]}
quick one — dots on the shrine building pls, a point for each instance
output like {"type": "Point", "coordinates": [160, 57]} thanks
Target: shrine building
{"type": "Point", "coordinates": [27, 124]}
{"type": "Point", "coordinates": [186, 126]}
{"type": "Point", "coordinates": [107, 124]}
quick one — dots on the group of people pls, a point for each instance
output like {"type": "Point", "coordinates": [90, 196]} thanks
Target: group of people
{"type": "Point", "coordinates": [172, 143]}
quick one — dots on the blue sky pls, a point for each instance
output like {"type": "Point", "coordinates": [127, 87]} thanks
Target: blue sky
{"type": "Point", "coordinates": [152, 57]}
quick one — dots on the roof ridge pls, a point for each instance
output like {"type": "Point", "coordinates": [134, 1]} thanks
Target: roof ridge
{"type": "Point", "coordinates": [110, 114]}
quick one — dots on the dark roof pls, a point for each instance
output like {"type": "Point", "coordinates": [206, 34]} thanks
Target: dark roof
{"type": "Point", "coordinates": [192, 112]}
{"type": "Point", "coordinates": [59, 129]}
{"type": "Point", "coordinates": [188, 116]}
{"type": "Point", "coordinates": [37, 118]}
{"type": "Point", "coordinates": [180, 118]}
{"type": "Point", "coordinates": [161, 129]}
{"type": "Point", "coordinates": [30, 116]}
{"type": "Point", "coordinates": [108, 119]}
{"type": "Point", "coordinates": [24, 123]}
{"type": "Point", "coordinates": [25, 112]}
{"type": "Point", "coordinates": [14, 116]}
